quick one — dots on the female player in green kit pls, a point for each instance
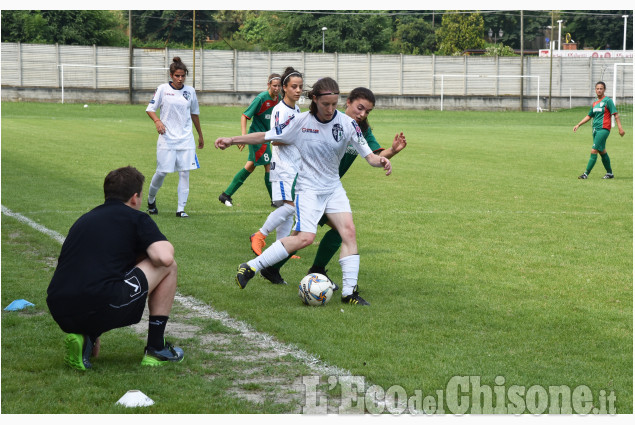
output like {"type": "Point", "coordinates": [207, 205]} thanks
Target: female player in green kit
{"type": "Point", "coordinates": [600, 113]}
{"type": "Point", "coordinates": [260, 111]}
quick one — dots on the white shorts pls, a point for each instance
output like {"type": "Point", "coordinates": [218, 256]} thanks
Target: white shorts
{"type": "Point", "coordinates": [310, 207]}
{"type": "Point", "coordinates": [170, 160]}
{"type": "Point", "coordinates": [282, 190]}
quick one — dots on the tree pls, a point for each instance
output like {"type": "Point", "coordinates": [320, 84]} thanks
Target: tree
{"type": "Point", "coordinates": [413, 35]}
{"type": "Point", "coordinates": [599, 28]}
{"type": "Point", "coordinates": [347, 32]}
{"type": "Point", "coordinates": [83, 27]}
{"type": "Point", "coordinates": [459, 32]}
{"type": "Point", "coordinates": [167, 27]}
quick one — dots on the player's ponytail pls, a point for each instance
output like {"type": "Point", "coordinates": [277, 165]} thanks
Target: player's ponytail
{"type": "Point", "coordinates": [176, 65]}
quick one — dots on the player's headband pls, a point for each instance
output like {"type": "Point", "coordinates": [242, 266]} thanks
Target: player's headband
{"type": "Point", "coordinates": [274, 78]}
{"type": "Point", "coordinates": [293, 73]}
{"type": "Point", "coordinates": [325, 94]}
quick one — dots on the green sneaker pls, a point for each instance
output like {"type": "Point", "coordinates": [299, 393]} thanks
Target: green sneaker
{"type": "Point", "coordinates": [78, 350]}
{"type": "Point", "coordinates": [169, 353]}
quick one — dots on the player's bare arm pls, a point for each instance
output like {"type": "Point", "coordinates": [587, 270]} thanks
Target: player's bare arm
{"type": "Point", "coordinates": [157, 122]}
{"type": "Point", "coordinates": [197, 124]}
{"type": "Point", "coordinates": [379, 161]}
{"type": "Point", "coordinates": [247, 139]}
{"type": "Point", "coordinates": [398, 144]}
{"type": "Point", "coordinates": [619, 125]}
{"type": "Point", "coordinates": [584, 120]}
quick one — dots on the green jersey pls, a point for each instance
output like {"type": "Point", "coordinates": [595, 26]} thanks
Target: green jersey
{"type": "Point", "coordinates": [601, 112]}
{"type": "Point", "coordinates": [351, 153]}
{"type": "Point", "coordinates": [260, 110]}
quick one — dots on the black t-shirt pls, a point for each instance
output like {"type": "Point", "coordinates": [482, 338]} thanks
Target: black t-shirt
{"type": "Point", "coordinates": [101, 247]}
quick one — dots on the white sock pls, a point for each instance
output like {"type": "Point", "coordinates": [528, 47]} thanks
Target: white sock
{"type": "Point", "coordinates": [284, 229]}
{"type": "Point", "coordinates": [183, 189]}
{"type": "Point", "coordinates": [276, 218]}
{"type": "Point", "coordinates": [350, 272]}
{"type": "Point", "coordinates": [270, 256]}
{"type": "Point", "coordinates": [155, 185]}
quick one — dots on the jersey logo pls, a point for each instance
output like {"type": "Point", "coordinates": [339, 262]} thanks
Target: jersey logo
{"type": "Point", "coordinates": [338, 132]}
{"type": "Point", "coordinates": [310, 130]}
{"type": "Point", "coordinates": [134, 283]}
{"type": "Point", "coordinates": [186, 94]}
{"type": "Point", "coordinates": [357, 129]}
{"type": "Point", "coordinates": [280, 127]}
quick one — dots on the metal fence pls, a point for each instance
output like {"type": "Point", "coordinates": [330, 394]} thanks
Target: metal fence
{"type": "Point", "coordinates": [42, 65]}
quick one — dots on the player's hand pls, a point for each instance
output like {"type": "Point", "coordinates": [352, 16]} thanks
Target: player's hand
{"type": "Point", "coordinates": [240, 146]}
{"type": "Point", "coordinates": [201, 142]}
{"type": "Point", "coordinates": [223, 143]}
{"type": "Point", "coordinates": [622, 132]}
{"type": "Point", "coordinates": [399, 143]}
{"type": "Point", "coordinates": [386, 164]}
{"type": "Point", "coordinates": [575, 128]}
{"type": "Point", "coordinates": [160, 127]}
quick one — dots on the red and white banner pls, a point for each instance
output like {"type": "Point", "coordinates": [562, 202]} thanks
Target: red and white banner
{"type": "Point", "coordinates": [544, 53]}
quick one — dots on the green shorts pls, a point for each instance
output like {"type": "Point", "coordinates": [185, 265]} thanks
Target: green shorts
{"type": "Point", "coordinates": [260, 154]}
{"type": "Point", "coordinates": [599, 139]}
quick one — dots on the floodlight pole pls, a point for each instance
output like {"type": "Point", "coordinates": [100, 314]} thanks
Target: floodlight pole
{"type": "Point", "coordinates": [323, 31]}
{"type": "Point", "coordinates": [522, 59]}
{"type": "Point", "coordinates": [550, 60]}
{"type": "Point", "coordinates": [194, 48]}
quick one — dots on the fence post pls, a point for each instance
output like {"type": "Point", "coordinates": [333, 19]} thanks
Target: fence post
{"type": "Point", "coordinates": [401, 74]}
{"type": "Point", "coordinates": [434, 71]}
{"type": "Point", "coordinates": [202, 68]}
{"type": "Point", "coordinates": [465, 75]}
{"type": "Point", "coordinates": [337, 67]}
{"type": "Point", "coordinates": [57, 59]}
{"type": "Point", "coordinates": [235, 70]}
{"type": "Point", "coordinates": [95, 68]}
{"type": "Point", "coordinates": [20, 66]}
{"type": "Point", "coordinates": [368, 61]}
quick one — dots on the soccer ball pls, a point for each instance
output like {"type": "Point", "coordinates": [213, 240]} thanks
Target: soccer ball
{"type": "Point", "coordinates": [315, 289]}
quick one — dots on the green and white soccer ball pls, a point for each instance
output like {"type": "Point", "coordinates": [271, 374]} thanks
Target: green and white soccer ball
{"type": "Point", "coordinates": [315, 289]}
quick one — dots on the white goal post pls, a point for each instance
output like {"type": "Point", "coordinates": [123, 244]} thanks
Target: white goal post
{"type": "Point", "coordinates": [443, 76]}
{"type": "Point", "coordinates": [63, 65]}
{"type": "Point", "coordinates": [624, 109]}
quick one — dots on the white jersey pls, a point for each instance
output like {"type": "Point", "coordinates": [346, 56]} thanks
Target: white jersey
{"type": "Point", "coordinates": [285, 158]}
{"type": "Point", "coordinates": [321, 146]}
{"type": "Point", "coordinates": [176, 106]}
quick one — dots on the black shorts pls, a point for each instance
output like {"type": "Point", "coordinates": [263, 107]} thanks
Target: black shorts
{"type": "Point", "coordinates": [125, 308]}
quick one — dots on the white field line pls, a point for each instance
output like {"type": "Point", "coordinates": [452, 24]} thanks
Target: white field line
{"type": "Point", "coordinates": [261, 339]}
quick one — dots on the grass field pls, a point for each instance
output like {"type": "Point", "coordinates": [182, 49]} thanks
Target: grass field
{"type": "Point", "coordinates": [482, 255]}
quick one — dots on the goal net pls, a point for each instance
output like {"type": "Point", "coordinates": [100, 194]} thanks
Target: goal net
{"type": "Point", "coordinates": [623, 92]}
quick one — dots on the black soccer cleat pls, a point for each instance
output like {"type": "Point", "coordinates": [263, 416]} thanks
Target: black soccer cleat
{"type": "Point", "coordinates": [272, 275]}
{"type": "Point", "coordinates": [244, 275]}
{"type": "Point", "coordinates": [584, 176]}
{"type": "Point", "coordinates": [322, 270]}
{"type": "Point", "coordinates": [608, 176]}
{"type": "Point", "coordinates": [152, 208]}
{"type": "Point", "coordinates": [354, 298]}
{"type": "Point", "coordinates": [169, 353]}
{"type": "Point", "coordinates": [226, 199]}
{"type": "Point", "coordinates": [182, 214]}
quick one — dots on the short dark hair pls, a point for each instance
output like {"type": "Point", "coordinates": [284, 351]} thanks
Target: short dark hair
{"type": "Point", "coordinates": [601, 82]}
{"type": "Point", "coordinates": [123, 183]}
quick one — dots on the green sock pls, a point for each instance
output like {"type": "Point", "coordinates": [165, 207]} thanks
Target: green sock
{"type": "Point", "coordinates": [607, 162]}
{"type": "Point", "coordinates": [268, 184]}
{"type": "Point", "coordinates": [278, 265]}
{"type": "Point", "coordinates": [238, 181]}
{"type": "Point", "coordinates": [591, 164]}
{"type": "Point", "coordinates": [328, 247]}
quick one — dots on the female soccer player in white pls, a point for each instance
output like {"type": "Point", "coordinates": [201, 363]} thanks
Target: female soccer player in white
{"type": "Point", "coordinates": [321, 135]}
{"type": "Point", "coordinates": [283, 165]}
{"type": "Point", "coordinates": [176, 150]}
